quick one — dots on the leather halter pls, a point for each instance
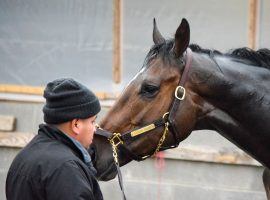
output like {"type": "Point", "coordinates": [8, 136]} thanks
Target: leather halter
{"type": "Point", "coordinates": [117, 139]}
{"type": "Point", "coordinates": [176, 102]}
{"type": "Point", "coordinates": [120, 140]}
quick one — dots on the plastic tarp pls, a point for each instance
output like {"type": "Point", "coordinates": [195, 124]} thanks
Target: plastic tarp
{"type": "Point", "coordinates": [44, 40]}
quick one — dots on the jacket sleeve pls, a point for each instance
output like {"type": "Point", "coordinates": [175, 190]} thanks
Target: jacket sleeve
{"type": "Point", "coordinates": [69, 182]}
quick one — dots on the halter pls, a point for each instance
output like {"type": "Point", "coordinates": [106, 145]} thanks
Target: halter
{"type": "Point", "coordinates": [167, 120]}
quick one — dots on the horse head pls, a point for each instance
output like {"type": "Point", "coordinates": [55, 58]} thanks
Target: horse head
{"type": "Point", "coordinates": [178, 90]}
{"type": "Point", "coordinates": [151, 94]}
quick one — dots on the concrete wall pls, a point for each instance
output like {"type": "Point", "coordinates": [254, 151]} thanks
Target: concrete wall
{"type": "Point", "coordinates": [189, 173]}
{"type": "Point", "coordinates": [179, 179]}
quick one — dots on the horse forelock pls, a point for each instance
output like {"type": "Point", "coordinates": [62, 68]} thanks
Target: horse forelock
{"type": "Point", "coordinates": [163, 50]}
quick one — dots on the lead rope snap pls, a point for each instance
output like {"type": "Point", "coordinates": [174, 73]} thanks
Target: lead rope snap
{"type": "Point", "coordinates": [115, 157]}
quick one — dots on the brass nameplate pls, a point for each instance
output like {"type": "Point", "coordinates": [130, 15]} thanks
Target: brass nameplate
{"type": "Point", "coordinates": [142, 130]}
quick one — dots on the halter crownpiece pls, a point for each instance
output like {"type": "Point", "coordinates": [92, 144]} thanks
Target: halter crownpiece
{"type": "Point", "coordinates": [180, 93]}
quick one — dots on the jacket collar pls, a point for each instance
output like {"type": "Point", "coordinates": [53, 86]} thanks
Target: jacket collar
{"type": "Point", "coordinates": [53, 132]}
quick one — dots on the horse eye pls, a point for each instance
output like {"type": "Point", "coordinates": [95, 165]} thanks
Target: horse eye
{"type": "Point", "coordinates": [148, 90]}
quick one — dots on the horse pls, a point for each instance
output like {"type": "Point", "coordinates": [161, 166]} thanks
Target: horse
{"type": "Point", "coordinates": [182, 87]}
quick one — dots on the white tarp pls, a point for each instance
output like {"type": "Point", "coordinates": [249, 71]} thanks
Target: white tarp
{"type": "Point", "coordinates": [44, 40]}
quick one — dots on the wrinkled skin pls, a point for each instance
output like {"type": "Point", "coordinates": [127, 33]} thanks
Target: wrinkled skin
{"type": "Point", "coordinates": [225, 94]}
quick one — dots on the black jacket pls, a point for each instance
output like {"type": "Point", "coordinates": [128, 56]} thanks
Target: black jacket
{"type": "Point", "coordinates": [51, 167]}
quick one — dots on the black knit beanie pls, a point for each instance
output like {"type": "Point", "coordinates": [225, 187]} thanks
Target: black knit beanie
{"type": "Point", "coordinates": [66, 99]}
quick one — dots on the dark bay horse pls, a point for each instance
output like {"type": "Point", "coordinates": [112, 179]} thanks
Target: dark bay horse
{"type": "Point", "coordinates": [228, 93]}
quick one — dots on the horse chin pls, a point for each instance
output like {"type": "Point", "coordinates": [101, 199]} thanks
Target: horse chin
{"type": "Point", "coordinates": [108, 174]}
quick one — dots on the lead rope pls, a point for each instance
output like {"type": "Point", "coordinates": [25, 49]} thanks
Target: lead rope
{"type": "Point", "coordinates": [159, 161]}
{"type": "Point", "coordinates": [119, 174]}
{"type": "Point", "coordinates": [160, 166]}
{"type": "Point", "coordinates": [115, 156]}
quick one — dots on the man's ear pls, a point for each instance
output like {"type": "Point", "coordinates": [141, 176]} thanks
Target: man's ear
{"type": "Point", "coordinates": [75, 126]}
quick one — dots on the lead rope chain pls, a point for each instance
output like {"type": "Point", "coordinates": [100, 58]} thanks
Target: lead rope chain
{"type": "Point", "coordinates": [162, 138]}
{"type": "Point", "coordinates": [119, 174]}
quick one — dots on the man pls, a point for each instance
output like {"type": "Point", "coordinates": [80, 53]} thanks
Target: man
{"type": "Point", "coordinates": [55, 164]}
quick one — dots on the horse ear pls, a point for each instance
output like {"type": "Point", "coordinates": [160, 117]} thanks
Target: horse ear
{"type": "Point", "coordinates": [182, 37]}
{"type": "Point", "coordinates": [157, 37]}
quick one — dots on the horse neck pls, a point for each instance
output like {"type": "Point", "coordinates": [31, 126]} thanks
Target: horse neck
{"type": "Point", "coordinates": [231, 103]}
{"type": "Point", "coordinates": [242, 91]}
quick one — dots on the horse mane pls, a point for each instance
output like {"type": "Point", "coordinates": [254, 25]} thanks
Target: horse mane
{"type": "Point", "coordinates": [260, 58]}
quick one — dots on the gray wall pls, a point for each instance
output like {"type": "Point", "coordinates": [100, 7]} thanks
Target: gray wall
{"type": "Point", "coordinates": [179, 179]}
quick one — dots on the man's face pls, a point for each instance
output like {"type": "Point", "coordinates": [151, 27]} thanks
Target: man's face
{"type": "Point", "coordinates": [87, 128]}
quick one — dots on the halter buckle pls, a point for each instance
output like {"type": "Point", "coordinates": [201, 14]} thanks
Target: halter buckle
{"type": "Point", "coordinates": [116, 140]}
{"type": "Point", "coordinates": [180, 90]}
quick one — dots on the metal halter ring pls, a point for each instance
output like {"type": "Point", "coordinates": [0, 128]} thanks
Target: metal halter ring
{"type": "Point", "coordinates": [183, 91]}
{"type": "Point", "coordinates": [165, 116]}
